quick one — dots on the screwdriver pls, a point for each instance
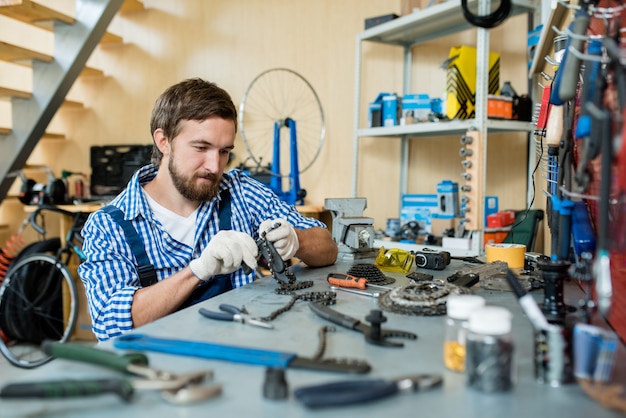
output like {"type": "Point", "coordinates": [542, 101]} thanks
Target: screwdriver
{"type": "Point", "coordinates": [347, 280]}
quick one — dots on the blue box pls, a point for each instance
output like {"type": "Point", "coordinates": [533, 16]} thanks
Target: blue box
{"type": "Point", "coordinates": [491, 206]}
{"type": "Point", "coordinates": [375, 114]}
{"type": "Point", "coordinates": [391, 110]}
{"type": "Point", "coordinates": [415, 106]}
{"type": "Point", "coordinates": [447, 199]}
{"type": "Point", "coordinates": [419, 208]}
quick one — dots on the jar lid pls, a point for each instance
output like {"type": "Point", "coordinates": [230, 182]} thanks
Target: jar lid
{"type": "Point", "coordinates": [492, 320]}
{"type": "Point", "coordinates": [461, 306]}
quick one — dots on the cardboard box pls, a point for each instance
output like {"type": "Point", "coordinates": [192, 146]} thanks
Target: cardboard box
{"type": "Point", "coordinates": [391, 110]}
{"type": "Point", "coordinates": [448, 199]}
{"type": "Point", "coordinates": [499, 107]}
{"type": "Point", "coordinates": [419, 208]}
{"type": "Point", "coordinates": [461, 81]}
{"type": "Point", "coordinates": [494, 236]}
{"type": "Point", "coordinates": [375, 114]}
{"type": "Point", "coordinates": [491, 206]}
{"type": "Point", "coordinates": [415, 108]}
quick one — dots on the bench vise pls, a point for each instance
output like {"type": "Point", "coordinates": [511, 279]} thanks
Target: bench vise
{"type": "Point", "coordinates": [352, 232]}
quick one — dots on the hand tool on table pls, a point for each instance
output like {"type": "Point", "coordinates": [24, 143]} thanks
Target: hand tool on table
{"type": "Point", "coordinates": [175, 388]}
{"type": "Point", "coordinates": [373, 334]}
{"type": "Point", "coordinates": [356, 292]}
{"type": "Point", "coordinates": [233, 313]}
{"type": "Point", "coordinates": [348, 283]}
{"type": "Point", "coordinates": [352, 392]}
{"type": "Point", "coordinates": [236, 354]}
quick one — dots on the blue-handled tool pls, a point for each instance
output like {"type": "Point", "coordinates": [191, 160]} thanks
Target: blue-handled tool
{"type": "Point", "coordinates": [235, 354]}
{"type": "Point", "coordinates": [233, 313]}
{"type": "Point", "coordinates": [361, 391]}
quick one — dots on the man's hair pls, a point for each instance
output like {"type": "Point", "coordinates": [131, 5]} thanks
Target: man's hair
{"type": "Point", "coordinates": [191, 99]}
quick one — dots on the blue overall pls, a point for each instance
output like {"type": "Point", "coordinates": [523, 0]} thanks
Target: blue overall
{"type": "Point", "coordinates": [147, 275]}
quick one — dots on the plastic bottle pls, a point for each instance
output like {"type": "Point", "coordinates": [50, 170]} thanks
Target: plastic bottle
{"type": "Point", "coordinates": [489, 350]}
{"type": "Point", "coordinates": [459, 308]}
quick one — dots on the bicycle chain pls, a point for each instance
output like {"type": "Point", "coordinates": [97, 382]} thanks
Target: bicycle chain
{"type": "Point", "coordinates": [327, 298]}
{"type": "Point", "coordinates": [285, 287]}
{"type": "Point", "coordinates": [289, 286]}
{"type": "Point", "coordinates": [422, 298]}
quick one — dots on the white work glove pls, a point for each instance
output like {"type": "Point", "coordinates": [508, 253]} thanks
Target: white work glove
{"type": "Point", "coordinates": [284, 237]}
{"type": "Point", "coordinates": [225, 253]}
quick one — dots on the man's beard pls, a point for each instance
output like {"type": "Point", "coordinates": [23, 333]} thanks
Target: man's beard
{"type": "Point", "coordinates": [190, 189]}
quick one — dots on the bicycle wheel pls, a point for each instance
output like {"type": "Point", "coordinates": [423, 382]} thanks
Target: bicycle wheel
{"type": "Point", "coordinates": [37, 302]}
{"type": "Point", "coordinates": [275, 96]}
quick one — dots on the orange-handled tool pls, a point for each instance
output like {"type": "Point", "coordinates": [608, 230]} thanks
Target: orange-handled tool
{"type": "Point", "coordinates": [347, 280]}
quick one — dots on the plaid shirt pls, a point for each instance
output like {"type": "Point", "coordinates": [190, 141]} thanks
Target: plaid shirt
{"type": "Point", "coordinates": [109, 273]}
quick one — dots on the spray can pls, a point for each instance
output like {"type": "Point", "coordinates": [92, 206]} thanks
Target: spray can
{"type": "Point", "coordinates": [79, 189]}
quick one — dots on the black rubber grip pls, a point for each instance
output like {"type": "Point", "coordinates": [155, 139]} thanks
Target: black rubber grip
{"type": "Point", "coordinates": [571, 67]}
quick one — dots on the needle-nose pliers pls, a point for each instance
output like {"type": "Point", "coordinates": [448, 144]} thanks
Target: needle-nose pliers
{"type": "Point", "coordinates": [233, 313]}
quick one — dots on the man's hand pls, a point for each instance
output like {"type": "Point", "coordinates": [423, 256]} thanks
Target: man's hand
{"type": "Point", "coordinates": [283, 237]}
{"type": "Point", "coordinates": [225, 253]}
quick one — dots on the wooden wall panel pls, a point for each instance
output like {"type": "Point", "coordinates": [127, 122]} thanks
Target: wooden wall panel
{"type": "Point", "coordinates": [231, 42]}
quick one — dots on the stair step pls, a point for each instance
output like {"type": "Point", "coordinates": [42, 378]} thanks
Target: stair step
{"type": "Point", "coordinates": [131, 6]}
{"type": "Point", "coordinates": [16, 80]}
{"type": "Point", "coordinates": [92, 72]}
{"type": "Point", "coordinates": [111, 38]}
{"type": "Point", "coordinates": [33, 11]}
{"type": "Point", "coordinates": [20, 41]}
{"type": "Point", "coordinates": [6, 120]}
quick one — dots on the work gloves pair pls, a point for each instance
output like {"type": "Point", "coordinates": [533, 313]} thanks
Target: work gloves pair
{"type": "Point", "coordinates": [227, 250]}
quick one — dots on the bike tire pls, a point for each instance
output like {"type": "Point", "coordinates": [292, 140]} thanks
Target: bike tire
{"type": "Point", "coordinates": [34, 307]}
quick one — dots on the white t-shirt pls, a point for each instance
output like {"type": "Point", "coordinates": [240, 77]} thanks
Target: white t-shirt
{"type": "Point", "coordinates": [181, 228]}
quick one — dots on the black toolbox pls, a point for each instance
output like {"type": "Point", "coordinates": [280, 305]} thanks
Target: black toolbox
{"type": "Point", "coordinates": [113, 165]}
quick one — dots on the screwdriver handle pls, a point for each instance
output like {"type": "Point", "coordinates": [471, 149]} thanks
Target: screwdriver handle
{"type": "Point", "coordinates": [68, 388]}
{"type": "Point", "coordinates": [86, 354]}
{"type": "Point", "coordinates": [346, 280]}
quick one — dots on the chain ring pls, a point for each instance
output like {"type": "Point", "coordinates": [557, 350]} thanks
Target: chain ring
{"type": "Point", "coordinates": [422, 298]}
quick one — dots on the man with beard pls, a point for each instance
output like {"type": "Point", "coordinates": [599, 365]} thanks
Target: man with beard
{"type": "Point", "coordinates": [197, 224]}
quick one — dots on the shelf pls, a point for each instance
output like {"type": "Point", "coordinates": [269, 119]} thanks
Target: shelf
{"type": "Point", "coordinates": [454, 252]}
{"type": "Point", "coordinates": [453, 127]}
{"type": "Point", "coordinates": [432, 23]}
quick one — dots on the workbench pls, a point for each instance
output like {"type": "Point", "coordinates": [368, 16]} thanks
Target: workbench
{"type": "Point", "coordinates": [296, 331]}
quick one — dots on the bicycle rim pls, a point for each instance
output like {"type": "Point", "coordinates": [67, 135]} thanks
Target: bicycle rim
{"type": "Point", "coordinates": [37, 302]}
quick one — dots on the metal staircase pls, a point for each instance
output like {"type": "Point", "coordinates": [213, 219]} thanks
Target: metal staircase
{"type": "Point", "coordinates": [75, 38]}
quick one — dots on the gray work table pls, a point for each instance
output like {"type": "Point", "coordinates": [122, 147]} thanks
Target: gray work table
{"type": "Point", "coordinates": [297, 331]}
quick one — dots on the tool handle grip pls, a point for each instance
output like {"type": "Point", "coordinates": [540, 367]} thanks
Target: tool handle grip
{"type": "Point", "coordinates": [221, 316]}
{"type": "Point", "coordinates": [571, 65]}
{"type": "Point", "coordinates": [204, 350]}
{"type": "Point", "coordinates": [86, 354]}
{"type": "Point", "coordinates": [68, 389]}
{"type": "Point", "coordinates": [345, 393]}
{"type": "Point", "coordinates": [348, 281]}
{"type": "Point", "coordinates": [334, 316]}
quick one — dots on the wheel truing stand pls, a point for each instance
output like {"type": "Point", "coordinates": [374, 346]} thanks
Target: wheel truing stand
{"type": "Point", "coordinates": [295, 194]}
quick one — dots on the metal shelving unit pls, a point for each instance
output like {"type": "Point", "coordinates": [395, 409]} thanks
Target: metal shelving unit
{"type": "Point", "coordinates": [416, 28]}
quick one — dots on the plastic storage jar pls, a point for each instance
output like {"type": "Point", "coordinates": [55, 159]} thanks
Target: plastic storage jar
{"type": "Point", "coordinates": [489, 350]}
{"type": "Point", "coordinates": [458, 310]}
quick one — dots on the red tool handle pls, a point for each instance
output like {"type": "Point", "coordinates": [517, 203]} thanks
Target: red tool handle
{"type": "Point", "coordinates": [346, 280]}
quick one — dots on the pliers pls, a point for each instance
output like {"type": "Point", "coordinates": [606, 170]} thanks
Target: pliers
{"type": "Point", "coordinates": [233, 313]}
{"type": "Point", "coordinates": [175, 388]}
{"type": "Point", "coordinates": [373, 334]}
{"type": "Point", "coordinates": [361, 391]}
